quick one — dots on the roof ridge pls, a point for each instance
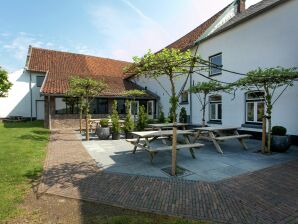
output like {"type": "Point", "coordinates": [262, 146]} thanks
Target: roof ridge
{"type": "Point", "coordinates": [79, 54]}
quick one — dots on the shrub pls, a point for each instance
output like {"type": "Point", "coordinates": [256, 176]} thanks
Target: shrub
{"type": "Point", "coordinates": [104, 123]}
{"type": "Point", "coordinates": [183, 115]}
{"type": "Point", "coordinates": [143, 119]}
{"type": "Point", "coordinates": [128, 123]}
{"type": "Point", "coordinates": [161, 117]}
{"type": "Point", "coordinates": [279, 130]}
{"type": "Point", "coordinates": [115, 118]}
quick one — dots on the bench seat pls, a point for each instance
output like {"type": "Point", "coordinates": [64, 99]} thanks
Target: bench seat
{"type": "Point", "coordinates": [134, 140]}
{"type": "Point", "coordinates": [221, 138]}
{"type": "Point", "coordinates": [182, 146]}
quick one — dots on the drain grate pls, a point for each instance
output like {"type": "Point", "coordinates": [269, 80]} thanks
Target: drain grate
{"type": "Point", "coordinates": [180, 171]}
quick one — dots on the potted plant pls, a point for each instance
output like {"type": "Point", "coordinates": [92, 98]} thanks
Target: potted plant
{"type": "Point", "coordinates": [128, 123]}
{"type": "Point", "coordinates": [280, 142]}
{"type": "Point", "coordinates": [115, 122]}
{"type": "Point", "coordinates": [103, 132]}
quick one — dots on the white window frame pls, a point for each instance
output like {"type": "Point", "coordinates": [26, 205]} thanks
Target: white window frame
{"type": "Point", "coordinates": [216, 103]}
{"type": "Point", "coordinates": [255, 102]}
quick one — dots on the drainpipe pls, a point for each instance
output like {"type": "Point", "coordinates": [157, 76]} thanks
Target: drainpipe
{"type": "Point", "coordinates": [50, 118]}
{"type": "Point", "coordinates": [31, 103]}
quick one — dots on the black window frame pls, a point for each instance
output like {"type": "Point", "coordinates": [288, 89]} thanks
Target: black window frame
{"type": "Point", "coordinates": [220, 66]}
{"type": "Point", "coordinates": [38, 84]}
{"type": "Point", "coordinates": [181, 98]}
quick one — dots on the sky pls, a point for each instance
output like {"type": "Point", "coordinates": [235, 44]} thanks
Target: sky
{"type": "Point", "coordinates": [118, 29]}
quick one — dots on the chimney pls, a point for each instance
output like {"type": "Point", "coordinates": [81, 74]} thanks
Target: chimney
{"type": "Point", "coordinates": [240, 6]}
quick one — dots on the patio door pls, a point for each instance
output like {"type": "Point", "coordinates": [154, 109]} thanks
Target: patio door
{"type": "Point", "coordinates": [150, 109]}
{"type": "Point", "coordinates": [134, 108]}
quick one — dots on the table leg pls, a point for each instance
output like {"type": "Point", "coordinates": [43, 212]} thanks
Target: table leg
{"type": "Point", "coordinates": [212, 137]}
{"type": "Point", "coordinates": [164, 141]}
{"type": "Point", "coordinates": [241, 140]}
{"type": "Point", "coordinates": [187, 141]}
{"type": "Point", "coordinates": [197, 135]}
{"type": "Point", "coordinates": [136, 145]}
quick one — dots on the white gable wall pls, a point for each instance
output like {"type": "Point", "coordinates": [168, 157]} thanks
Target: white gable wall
{"type": "Point", "coordinates": [268, 40]}
{"type": "Point", "coordinates": [18, 102]}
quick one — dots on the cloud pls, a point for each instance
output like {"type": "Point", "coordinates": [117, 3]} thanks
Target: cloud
{"type": "Point", "coordinates": [18, 46]}
{"type": "Point", "coordinates": [127, 31]}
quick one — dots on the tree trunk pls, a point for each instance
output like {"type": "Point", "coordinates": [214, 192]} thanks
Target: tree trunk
{"type": "Point", "coordinates": [87, 127]}
{"type": "Point", "coordinates": [269, 134]}
{"type": "Point", "coordinates": [264, 134]}
{"type": "Point", "coordinates": [81, 118]}
{"type": "Point", "coordinates": [269, 112]}
{"type": "Point", "coordinates": [174, 140]}
{"type": "Point", "coordinates": [204, 111]}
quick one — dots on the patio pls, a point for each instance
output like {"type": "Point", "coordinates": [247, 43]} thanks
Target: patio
{"type": "Point", "coordinates": [209, 165]}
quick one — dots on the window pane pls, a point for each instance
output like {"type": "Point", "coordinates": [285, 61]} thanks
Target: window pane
{"type": "Point", "coordinates": [134, 108]}
{"type": "Point", "coordinates": [39, 81]}
{"type": "Point", "coordinates": [71, 105]}
{"type": "Point", "coordinates": [212, 112]}
{"type": "Point", "coordinates": [255, 95]}
{"type": "Point", "coordinates": [60, 106]}
{"type": "Point", "coordinates": [260, 110]}
{"type": "Point", "coordinates": [215, 98]}
{"type": "Point", "coordinates": [102, 106]}
{"type": "Point", "coordinates": [216, 60]}
{"type": "Point", "coordinates": [250, 112]}
{"type": "Point", "coordinates": [219, 111]}
{"type": "Point", "coordinates": [184, 97]}
{"type": "Point", "coordinates": [121, 106]}
{"type": "Point", "coordinates": [150, 108]}
{"type": "Point", "coordinates": [93, 107]}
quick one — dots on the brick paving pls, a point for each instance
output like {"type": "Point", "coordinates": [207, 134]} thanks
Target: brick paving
{"type": "Point", "coordinates": [266, 196]}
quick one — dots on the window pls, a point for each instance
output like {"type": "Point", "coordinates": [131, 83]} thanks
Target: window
{"type": "Point", "coordinates": [184, 97]}
{"type": "Point", "coordinates": [254, 107]}
{"type": "Point", "coordinates": [134, 107]}
{"type": "Point", "coordinates": [66, 105]}
{"type": "Point", "coordinates": [39, 81]}
{"type": "Point", "coordinates": [215, 64]}
{"type": "Point", "coordinates": [215, 108]}
{"type": "Point", "coordinates": [121, 107]}
{"type": "Point", "coordinates": [99, 106]}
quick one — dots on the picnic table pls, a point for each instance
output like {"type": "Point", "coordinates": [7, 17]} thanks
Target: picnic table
{"type": "Point", "coordinates": [145, 138]}
{"type": "Point", "coordinates": [220, 133]}
{"type": "Point", "coordinates": [163, 126]}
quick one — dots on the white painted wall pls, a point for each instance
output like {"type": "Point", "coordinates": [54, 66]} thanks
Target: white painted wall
{"type": "Point", "coordinates": [268, 40]}
{"type": "Point", "coordinates": [18, 102]}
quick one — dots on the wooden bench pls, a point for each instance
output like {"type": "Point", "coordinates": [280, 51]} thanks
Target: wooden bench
{"type": "Point", "coordinates": [222, 138]}
{"type": "Point", "coordinates": [134, 140]}
{"type": "Point", "coordinates": [154, 151]}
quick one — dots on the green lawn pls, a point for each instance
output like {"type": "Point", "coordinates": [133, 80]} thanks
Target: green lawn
{"type": "Point", "coordinates": [22, 150]}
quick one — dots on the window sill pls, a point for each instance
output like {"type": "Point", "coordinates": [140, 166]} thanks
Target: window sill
{"type": "Point", "coordinates": [252, 125]}
{"type": "Point", "coordinates": [214, 122]}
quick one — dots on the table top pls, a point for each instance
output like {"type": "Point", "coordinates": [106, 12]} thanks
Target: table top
{"type": "Point", "coordinates": [163, 125]}
{"type": "Point", "coordinates": [219, 128]}
{"type": "Point", "coordinates": [161, 133]}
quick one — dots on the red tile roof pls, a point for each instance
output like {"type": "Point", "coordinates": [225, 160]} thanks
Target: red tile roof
{"type": "Point", "coordinates": [60, 66]}
{"type": "Point", "coordinates": [188, 40]}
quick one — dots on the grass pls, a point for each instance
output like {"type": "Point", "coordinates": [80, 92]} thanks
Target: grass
{"type": "Point", "coordinates": [21, 160]}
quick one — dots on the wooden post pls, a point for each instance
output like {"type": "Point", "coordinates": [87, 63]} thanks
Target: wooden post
{"type": "Point", "coordinates": [174, 151]}
{"type": "Point", "coordinates": [81, 117]}
{"type": "Point", "coordinates": [264, 134]}
{"type": "Point", "coordinates": [87, 127]}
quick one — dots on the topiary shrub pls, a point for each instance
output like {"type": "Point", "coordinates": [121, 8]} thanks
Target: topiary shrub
{"type": "Point", "coordinates": [128, 123]}
{"type": "Point", "coordinates": [183, 115]}
{"type": "Point", "coordinates": [279, 130]}
{"type": "Point", "coordinates": [104, 123]}
{"type": "Point", "coordinates": [143, 119]}
{"type": "Point", "coordinates": [161, 116]}
{"type": "Point", "coordinates": [115, 118]}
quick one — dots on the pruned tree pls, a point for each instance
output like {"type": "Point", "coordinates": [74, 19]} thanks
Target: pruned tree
{"type": "Point", "coordinates": [274, 82]}
{"type": "Point", "coordinates": [5, 84]}
{"type": "Point", "coordinates": [205, 89]}
{"type": "Point", "coordinates": [168, 63]}
{"type": "Point", "coordinates": [86, 89]}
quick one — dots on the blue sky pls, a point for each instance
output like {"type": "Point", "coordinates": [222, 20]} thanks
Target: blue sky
{"type": "Point", "coordinates": [116, 29]}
